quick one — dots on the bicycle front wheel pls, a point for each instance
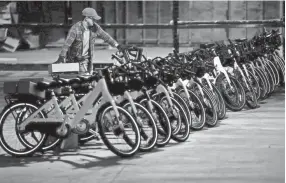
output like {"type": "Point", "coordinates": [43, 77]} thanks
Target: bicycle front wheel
{"type": "Point", "coordinates": [124, 143]}
{"type": "Point", "coordinates": [184, 132]}
{"type": "Point", "coordinates": [162, 122]}
{"type": "Point", "coordinates": [147, 126]}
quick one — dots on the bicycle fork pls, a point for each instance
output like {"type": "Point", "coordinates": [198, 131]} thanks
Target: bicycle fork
{"type": "Point", "coordinates": [183, 84]}
{"type": "Point", "coordinates": [220, 69]}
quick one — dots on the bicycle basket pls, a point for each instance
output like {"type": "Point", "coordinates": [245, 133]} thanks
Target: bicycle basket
{"type": "Point", "coordinates": [200, 72]}
{"type": "Point", "coordinates": [168, 78]}
{"type": "Point", "coordinates": [135, 84]}
{"type": "Point", "coordinates": [150, 81]}
{"type": "Point", "coordinates": [116, 88]}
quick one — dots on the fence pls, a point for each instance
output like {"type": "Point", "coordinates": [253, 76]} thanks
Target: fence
{"type": "Point", "coordinates": [175, 25]}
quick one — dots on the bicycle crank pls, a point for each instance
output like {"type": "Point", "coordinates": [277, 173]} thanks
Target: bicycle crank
{"type": "Point", "coordinates": [82, 127]}
{"type": "Point", "coordinates": [63, 131]}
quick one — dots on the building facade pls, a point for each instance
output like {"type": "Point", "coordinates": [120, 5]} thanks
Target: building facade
{"type": "Point", "coordinates": [151, 12]}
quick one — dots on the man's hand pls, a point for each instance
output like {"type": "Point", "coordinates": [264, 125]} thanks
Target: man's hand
{"type": "Point", "coordinates": [90, 73]}
{"type": "Point", "coordinates": [121, 47]}
{"type": "Point", "coordinates": [60, 60]}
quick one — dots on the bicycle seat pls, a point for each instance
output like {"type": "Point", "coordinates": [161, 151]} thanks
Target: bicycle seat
{"type": "Point", "coordinates": [135, 84]}
{"type": "Point", "coordinates": [64, 81]}
{"type": "Point", "coordinates": [74, 80]}
{"type": "Point", "coordinates": [207, 45]}
{"type": "Point", "coordinates": [268, 35]}
{"type": "Point", "coordinates": [84, 78]}
{"type": "Point", "coordinates": [69, 81]}
{"type": "Point", "coordinates": [240, 40]}
{"type": "Point", "coordinates": [55, 84]}
{"type": "Point", "coordinates": [42, 85]}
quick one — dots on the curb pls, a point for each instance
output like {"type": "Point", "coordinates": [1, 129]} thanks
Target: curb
{"type": "Point", "coordinates": [23, 67]}
{"type": "Point", "coordinates": [37, 67]}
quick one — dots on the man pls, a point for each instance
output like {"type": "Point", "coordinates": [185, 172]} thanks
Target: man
{"type": "Point", "coordinates": [79, 44]}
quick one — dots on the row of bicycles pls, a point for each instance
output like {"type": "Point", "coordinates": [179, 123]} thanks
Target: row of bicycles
{"type": "Point", "coordinates": [141, 103]}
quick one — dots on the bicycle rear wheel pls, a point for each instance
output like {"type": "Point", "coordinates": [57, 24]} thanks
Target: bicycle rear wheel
{"type": "Point", "coordinates": [21, 138]}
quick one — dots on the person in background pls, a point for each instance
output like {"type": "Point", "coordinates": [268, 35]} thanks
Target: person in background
{"type": "Point", "coordinates": [79, 44]}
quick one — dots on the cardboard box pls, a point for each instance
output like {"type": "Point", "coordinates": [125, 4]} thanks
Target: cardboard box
{"type": "Point", "coordinates": [64, 68]}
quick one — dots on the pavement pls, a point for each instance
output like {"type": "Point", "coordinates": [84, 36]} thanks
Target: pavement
{"type": "Point", "coordinates": [246, 147]}
{"type": "Point", "coordinates": [33, 60]}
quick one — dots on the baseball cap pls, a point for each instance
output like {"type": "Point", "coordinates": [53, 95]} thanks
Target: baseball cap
{"type": "Point", "coordinates": [90, 12]}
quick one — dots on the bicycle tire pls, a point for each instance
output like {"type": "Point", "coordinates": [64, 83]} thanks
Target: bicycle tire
{"type": "Point", "coordinates": [151, 123]}
{"type": "Point", "coordinates": [101, 129]}
{"type": "Point", "coordinates": [196, 108]}
{"type": "Point", "coordinates": [211, 100]}
{"type": "Point", "coordinates": [184, 131]}
{"type": "Point", "coordinates": [184, 105]}
{"type": "Point", "coordinates": [222, 108]}
{"type": "Point", "coordinates": [162, 120]}
{"type": "Point", "coordinates": [236, 86]}
{"type": "Point", "coordinates": [5, 146]}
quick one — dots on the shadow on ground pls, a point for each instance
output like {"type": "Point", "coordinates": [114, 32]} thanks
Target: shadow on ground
{"type": "Point", "coordinates": [78, 159]}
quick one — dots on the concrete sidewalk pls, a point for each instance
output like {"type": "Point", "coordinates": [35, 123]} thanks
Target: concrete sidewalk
{"type": "Point", "coordinates": [246, 147]}
{"type": "Point", "coordinates": [40, 59]}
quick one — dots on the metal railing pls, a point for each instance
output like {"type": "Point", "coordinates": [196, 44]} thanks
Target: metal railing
{"type": "Point", "coordinates": [180, 25]}
{"type": "Point", "coordinates": [274, 23]}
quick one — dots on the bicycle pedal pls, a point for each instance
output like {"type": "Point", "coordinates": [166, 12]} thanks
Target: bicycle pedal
{"type": "Point", "coordinates": [96, 135]}
{"type": "Point", "coordinates": [97, 138]}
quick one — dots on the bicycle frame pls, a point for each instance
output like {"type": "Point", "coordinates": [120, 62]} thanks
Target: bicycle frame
{"type": "Point", "coordinates": [192, 82]}
{"type": "Point", "coordinates": [236, 67]}
{"type": "Point", "coordinates": [99, 89]}
{"type": "Point", "coordinates": [184, 84]}
{"type": "Point", "coordinates": [162, 89]}
{"type": "Point", "coordinates": [208, 79]}
{"type": "Point", "coordinates": [220, 69]}
{"type": "Point", "coordinates": [150, 106]}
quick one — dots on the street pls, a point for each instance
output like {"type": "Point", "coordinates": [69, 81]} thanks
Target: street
{"type": "Point", "coordinates": [247, 146]}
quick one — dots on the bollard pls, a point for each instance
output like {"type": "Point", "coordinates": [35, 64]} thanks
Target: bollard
{"type": "Point", "coordinates": [175, 26]}
{"type": "Point", "coordinates": [70, 143]}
